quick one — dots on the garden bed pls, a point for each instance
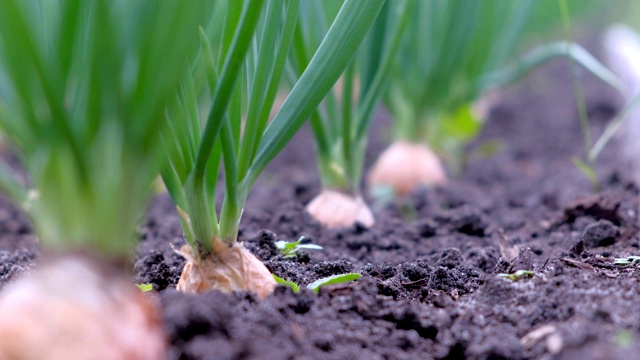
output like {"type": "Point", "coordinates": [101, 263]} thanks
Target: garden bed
{"type": "Point", "coordinates": [430, 287]}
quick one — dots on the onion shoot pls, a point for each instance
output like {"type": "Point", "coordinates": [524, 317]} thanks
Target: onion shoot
{"type": "Point", "coordinates": [236, 83]}
{"type": "Point", "coordinates": [82, 85]}
{"type": "Point", "coordinates": [340, 126]}
{"type": "Point", "coordinates": [456, 52]}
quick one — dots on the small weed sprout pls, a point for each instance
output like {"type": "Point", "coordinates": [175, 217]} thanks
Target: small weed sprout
{"type": "Point", "coordinates": [316, 285]}
{"type": "Point", "coordinates": [291, 284]}
{"type": "Point", "coordinates": [145, 287]}
{"type": "Point", "coordinates": [626, 261]}
{"type": "Point", "coordinates": [520, 274]}
{"type": "Point", "coordinates": [333, 280]}
{"type": "Point", "coordinates": [289, 250]}
{"type": "Point", "coordinates": [624, 339]}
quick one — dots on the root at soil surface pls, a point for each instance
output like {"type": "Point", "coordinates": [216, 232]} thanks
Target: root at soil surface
{"type": "Point", "coordinates": [405, 166]}
{"type": "Point", "coordinates": [229, 268]}
{"type": "Point", "coordinates": [334, 209]}
{"type": "Point", "coordinates": [70, 308]}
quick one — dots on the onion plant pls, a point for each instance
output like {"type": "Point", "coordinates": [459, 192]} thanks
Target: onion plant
{"type": "Point", "coordinates": [622, 48]}
{"type": "Point", "coordinates": [237, 76]}
{"type": "Point", "coordinates": [340, 126]}
{"type": "Point", "coordinates": [455, 53]}
{"type": "Point", "coordinates": [448, 46]}
{"type": "Point", "coordinates": [83, 85]}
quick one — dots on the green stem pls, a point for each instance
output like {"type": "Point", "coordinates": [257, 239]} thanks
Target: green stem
{"type": "Point", "coordinates": [320, 135]}
{"type": "Point", "coordinates": [346, 130]}
{"type": "Point", "coordinates": [332, 57]}
{"type": "Point", "coordinates": [577, 88]}
{"type": "Point", "coordinates": [332, 174]}
{"type": "Point", "coordinates": [228, 75]}
{"type": "Point", "coordinates": [542, 54]}
{"type": "Point", "coordinates": [12, 188]}
{"type": "Point", "coordinates": [373, 93]}
{"type": "Point", "coordinates": [291, 19]}
{"type": "Point", "coordinates": [47, 77]}
{"type": "Point", "coordinates": [259, 87]}
{"type": "Point", "coordinates": [613, 126]}
{"type": "Point", "coordinates": [230, 214]}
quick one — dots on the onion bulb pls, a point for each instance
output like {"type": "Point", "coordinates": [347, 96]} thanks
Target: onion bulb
{"type": "Point", "coordinates": [228, 268]}
{"type": "Point", "coordinates": [335, 209]}
{"type": "Point", "coordinates": [71, 308]}
{"type": "Point", "coordinates": [405, 166]}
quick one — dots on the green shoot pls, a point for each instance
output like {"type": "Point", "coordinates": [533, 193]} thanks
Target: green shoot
{"type": "Point", "coordinates": [613, 127]}
{"type": "Point", "coordinates": [622, 48]}
{"type": "Point", "coordinates": [520, 274]}
{"type": "Point", "coordinates": [586, 167]}
{"type": "Point", "coordinates": [80, 99]}
{"type": "Point", "coordinates": [239, 87]}
{"type": "Point", "coordinates": [290, 249]}
{"type": "Point", "coordinates": [144, 287]}
{"type": "Point", "coordinates": [629, 260]}
{"type": "Point", "coordinates": [185, 179]}
{"type": "Point", "coordinates": [589, 171]}
{"type": "Point", "coordinates": [577, 84]}
{"type": "Point", "coordinates": [316, 285]}
{"type": "Point", "coordinates": [333, 280]}
{"type": "Point", "coordinates": [292, 285]}
{"type": "Point", "coordinates": [340, 126]}
{"type": "Point", "coordinates": [624, 339]}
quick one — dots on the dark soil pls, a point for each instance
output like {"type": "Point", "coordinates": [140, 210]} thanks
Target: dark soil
{"type": "Point", "coordinates": [431, 286]}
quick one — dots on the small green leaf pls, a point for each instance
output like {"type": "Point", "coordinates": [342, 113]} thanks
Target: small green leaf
{"type": "Point", "coordinates": [490, 148]}
{"type": "Point", "coordinates": [281, 245]}
{"type": "Point", "coordinates": [461, 125]}
{"type": "Point", "coordinates": [331, 280]}
{"type": "Point", "coordinates": [517, 275]}
{"type": "Point", "coordinates": [622, 262]}
{"type": "Point", "coordinates": [626, 261]}
{"type": "Point", "coordinates": [292, 285]}
{"type": "Point", "coordinates": [588, 171]}
{"type": "Point", "coordinates": [293, 245]}
{"type": "Point", "coordinates": [289, 249]}
{"type": "Point", "coordinates": [145, 287]}
{"type": "Point", "coordinates": [624, 339]}
{"type": "Point", "coordinates": [309, 247]}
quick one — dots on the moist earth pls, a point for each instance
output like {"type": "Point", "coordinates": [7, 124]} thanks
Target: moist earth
{"type": "Point", "coordinates": [433, 265]}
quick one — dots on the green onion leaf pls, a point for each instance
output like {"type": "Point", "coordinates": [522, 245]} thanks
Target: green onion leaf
{"type": "Point", "coordinates": [332, 280]}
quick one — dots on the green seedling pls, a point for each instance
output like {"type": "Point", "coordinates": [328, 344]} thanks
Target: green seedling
{"type": "Point", "coordinates": [333, 280]}
{"type": "Point", "coordinates": [316, 285]}
{"type": "Point", "coordinates": [520, 274]}
{"type": "Point", "coordinates": [629, 260]}
{"type": "Point", "coordinates": [145, 287]}
{"type": "Point", "coordinates": [292, 285]}
{"type": "Point", "coordinates": [624, 339]}
{"type": "Point", "coordinates": [290, 249]}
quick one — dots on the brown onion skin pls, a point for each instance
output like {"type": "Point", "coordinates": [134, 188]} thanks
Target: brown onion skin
{"type": "Point", "coordinates": [230, 267]}
{"type": "Point", "coordinates": [76, 306]}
